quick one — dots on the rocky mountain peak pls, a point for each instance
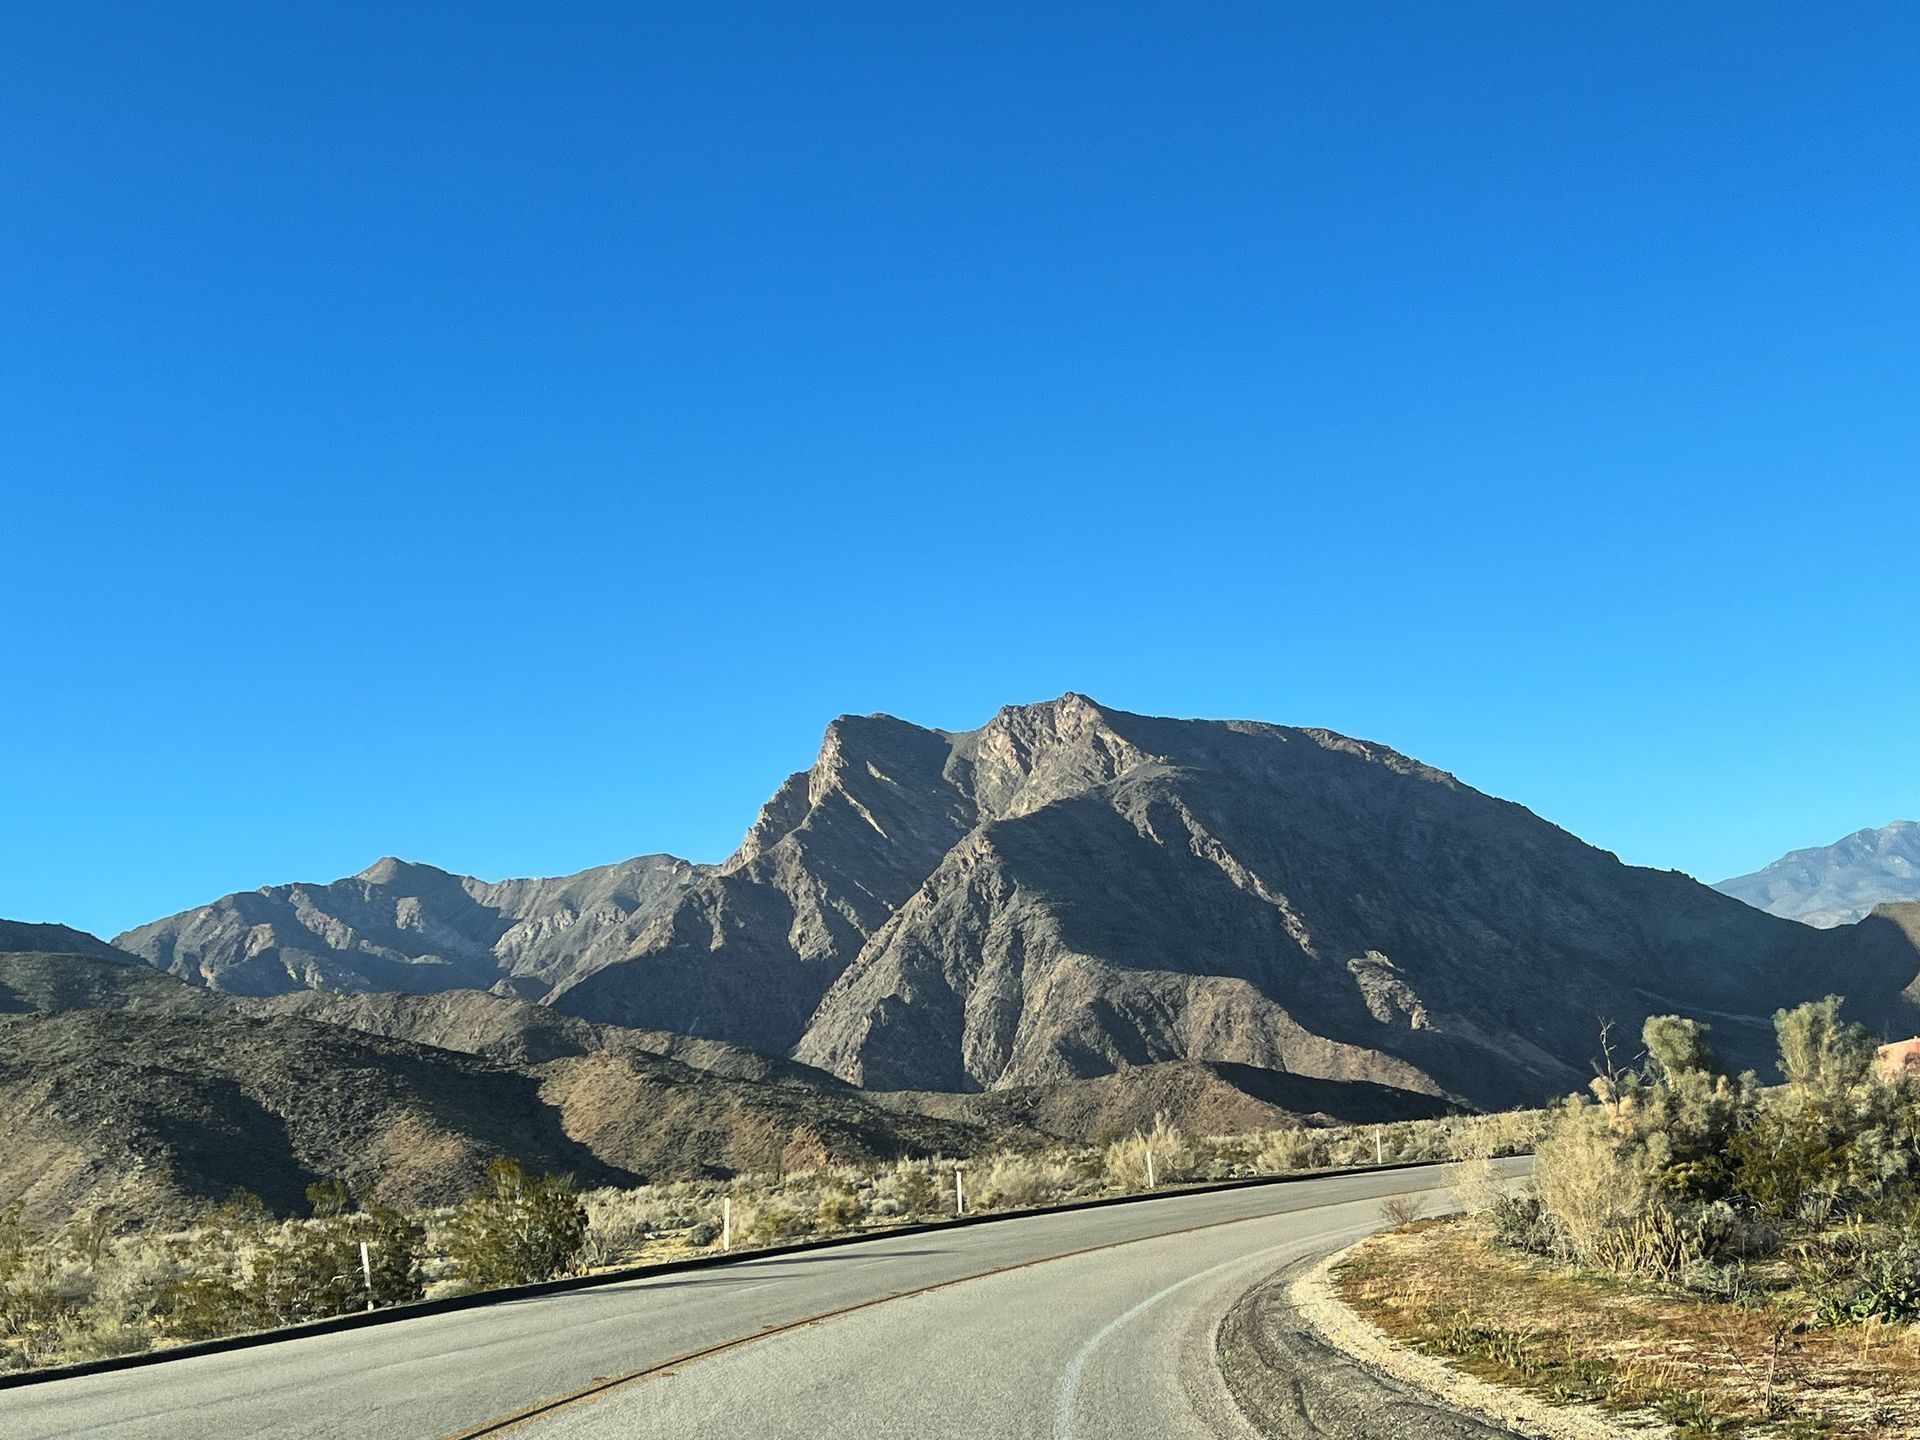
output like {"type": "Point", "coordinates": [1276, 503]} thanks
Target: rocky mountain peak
{"type": "Point", "coordinates": [1030, 755]}
{"type": "Point", "coordinates": [391, 870]}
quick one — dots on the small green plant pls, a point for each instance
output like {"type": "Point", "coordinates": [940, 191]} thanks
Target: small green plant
{"type": "Point", "coordinates": [517, 1229]}
{"type": "Point", "coordinates": [839, 1210]}
{"type": "Point", "coordinates": [775, 1223]}
{"type": "Point", "coordinates": [916, 1191]}
{"type": "Point", "coordinates": [1691, 1414]}
{"type": "Point", "coordinates": [328, 1197]}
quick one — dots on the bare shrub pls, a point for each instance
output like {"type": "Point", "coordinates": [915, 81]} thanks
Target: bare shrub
{"type": "Point", "coordinates": [1011, 1181]}
{"type": "Point", "coordinates": [1474, 1184]}
{"type": "Point", "coordinates": [1127, 1161]}
{"type": "Point", "coordinates": [1398, 1210]}
{"type": "Point", "coordinates": [1281, 1151]}
{"type": "Point", "coordinates": [1592, 1181]}
{"type": "Point", "coordinates": [619, 1222]}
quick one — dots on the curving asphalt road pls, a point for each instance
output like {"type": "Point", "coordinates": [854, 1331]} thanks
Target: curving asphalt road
{"type": "Point", "coordinates": [1093, 1323]}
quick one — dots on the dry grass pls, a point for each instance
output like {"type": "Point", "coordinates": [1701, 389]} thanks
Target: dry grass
{"type": "Point", "coordinates": [1579, 1337]}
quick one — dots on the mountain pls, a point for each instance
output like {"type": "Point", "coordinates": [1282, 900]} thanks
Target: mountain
{"type": "Point", "coordinates": [1071, 891]}
{"type": "Point", "coordinates": [18, 935]}
{"type": "Point", "coordinates": [398, 926]}
{"type": "Point", "coordinates": [1840, 883]}
{"type": "Point", "coordinates": [137, 1098]}
{"type": "Point", "coordinates": [1201, 1097]}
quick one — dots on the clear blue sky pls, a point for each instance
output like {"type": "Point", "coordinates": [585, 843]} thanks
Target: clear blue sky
{"type": "Point", "coordinates": [504, 436]}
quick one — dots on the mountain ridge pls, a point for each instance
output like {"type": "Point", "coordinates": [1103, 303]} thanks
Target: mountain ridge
{"type": "Point", "coordinates": [1070, 890]}
{"type": "Point", "coordinates": [1837, 884]}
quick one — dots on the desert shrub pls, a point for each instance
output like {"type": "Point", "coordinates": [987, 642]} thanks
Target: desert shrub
{"type": "Point", "coordinates": [40, 1289]}
{"type": "Point", "coordinates": [1677, 1046]}
{"type": "Point", "coordinates": [774, 1223]}
{"type": "Point", "coordinates": [1782, 1158]}
{"type": "Point", "coordinates": [915, 1191]}
{"type": "Point", "coordinates": [1591, 1179]}
{"type": "Point", "coordinates": [1013, 1181]}
{"type": "Point", "coordinates": [1127, 1160]}
{"type": "Point", "coordinates": [242, 1213]}
{"type": "Point", "coordinates": [1475, 1185]}
{"type": "Point", "coordinates": [838, 1210]}
{"type": "Point", "coordinates": [619, 1222]}
{"type": "Point", "coordinates": [328, 1197]}
{"type": "Point", "coordinates": [1282, 1151]}
{"type": "Point", "coordinates": [1682, 1166]}
{"type": "Point", "coordinates": [303, 1274]}
{"type": "Point", "coordinates": [202, 1305]}
{"type": "Point", "coordinates": [517, 1229]}
{"type": "Point", "coordinates": [1521, 1222]}
{"type": "Point", "coordinates": [1821, 1054]}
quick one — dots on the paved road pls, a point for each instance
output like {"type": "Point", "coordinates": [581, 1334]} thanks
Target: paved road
{"type": "Point", "coordinates": [1028, 1331]}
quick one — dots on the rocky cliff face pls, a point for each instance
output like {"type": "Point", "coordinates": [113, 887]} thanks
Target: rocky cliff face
{"type": "Point", "coordinates": [1069, 890]}
{"type": "Point", "coordinates": [1840, 883]}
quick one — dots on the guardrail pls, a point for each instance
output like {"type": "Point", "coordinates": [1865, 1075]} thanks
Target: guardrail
{"type": "Point", "coordinates": [393, 1314]}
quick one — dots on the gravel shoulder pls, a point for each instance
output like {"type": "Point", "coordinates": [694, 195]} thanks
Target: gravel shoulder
{"type": "Point", "coordinates": [1303, 1366]}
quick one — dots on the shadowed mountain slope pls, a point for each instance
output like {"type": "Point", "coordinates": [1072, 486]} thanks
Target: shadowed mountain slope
{"type": "Point", "coordinates": [129, 1095]}
{"type": "Point", "coordinates": [21, 935]}
{"type": "Point", "coordinates": [1201, 1097]}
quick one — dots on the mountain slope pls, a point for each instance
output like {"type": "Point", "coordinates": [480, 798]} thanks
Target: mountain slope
{"type": "Point", "coordinates": [1071, 890]}
{"type": "Point", "coordinates": [1298, 901]}
{"type": "Point", "coordinates": [400, 926]}
{"type": "Point", "coordinates": [1837, 884]}
{"type": "Point", "coordinates": [128, 1094]}
{"type": "Point", "coordinates": [21, 935]}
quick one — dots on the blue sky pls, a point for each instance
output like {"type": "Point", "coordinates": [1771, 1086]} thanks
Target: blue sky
{"type": "Point", "coordinates": [505, 435]}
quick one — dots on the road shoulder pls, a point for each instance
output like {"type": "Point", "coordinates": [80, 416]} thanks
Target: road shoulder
{"type": "Point", "coordinates": [1301, 1364]}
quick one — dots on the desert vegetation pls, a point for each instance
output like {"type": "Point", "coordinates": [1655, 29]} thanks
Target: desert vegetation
{"type": "Point", "coordinates": [1732, 1255]}
{"type": "Point", "coordinates": [83, 1293]}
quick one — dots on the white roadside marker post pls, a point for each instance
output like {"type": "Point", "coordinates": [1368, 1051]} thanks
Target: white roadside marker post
{"type": "Point", "coordinates": [959, 1193]}
{"type": "Point", "coordinates": [366, 1273]}
{"type": "Point", "coordinates": [726, 1222]}
{"type": "Point", "coordinates": [1149, 1167]}
{"type": "Point", "coordinates": [1379, 1155]}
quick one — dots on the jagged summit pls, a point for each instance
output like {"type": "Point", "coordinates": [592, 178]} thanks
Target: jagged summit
{"type": "Point", "coordinates": [390, 870]}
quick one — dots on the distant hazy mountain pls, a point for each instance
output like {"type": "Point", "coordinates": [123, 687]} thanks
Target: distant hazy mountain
{"type": "Point", "coordinates": [1840, 883]}
{"type": "Point", "coordinates": [1069, 891]}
